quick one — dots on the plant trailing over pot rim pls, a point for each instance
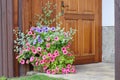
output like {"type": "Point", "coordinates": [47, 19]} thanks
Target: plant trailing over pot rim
{"type": "Point", "coordinates": [47, 48]}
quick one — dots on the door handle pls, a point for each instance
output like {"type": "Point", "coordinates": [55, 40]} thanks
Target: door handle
{"type": "Point", "coordinates": [63, 6]}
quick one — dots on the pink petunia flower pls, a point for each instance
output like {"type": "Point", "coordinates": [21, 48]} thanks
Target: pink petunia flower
{"type": "Point", "coordinates": [69, 66]}
{"type": "Point", "coordinates": [63, 70]}
{"type": "Point", "coordinates": [32, 59]}
{"type": "Point", "coordinates": [34, 51]}
{"type": "Point", "coordinates": [42, 62]}
{"type": "Point", "coordinates": [48, 71]}
{"type": "Point", "coordinates": [39, 48]}
{"type": "Point", "coordinates": [73, 70]}
{"type": "Point", "coordinates": [17, 57]}
{"type": "Point", "coordinates": [45, 67]}
{"type": "Point", "coordinates": [44, 57]}
{"type": "Point", "coordinates": [22, 61]}
{"type": "Point", "coordinates": [63, 48]}
{"type": "Point", "coordinates": [52, 59]}
{"type": "Point", "coordinates": [56, 38]}
{"type": "Point", "coordinates": [48, 45]}
{"type": "Point", "coordinates": [53, 71]}
{"type": "Point", "coordinates": [49, 55]}
{"type": "Point", "coordinates": [56, 54]}
{"type": "Point", "coordinates": [57, 69]}
{"type": "Point", "coordinates": [28, 44]}
{"type": "Point", "coordinates": [37, 63]}
{"type": "Point", "coordinates": [29, 33]}
{"type": "Point", "coordinates": [27, 62]}
{"type": "Point", "coordinates": [48, 39]}
{"type": "Point", "coordinates": [65, 52]}
{"type": "Point", "coordinates": [67, 70]}
{"type": "Point", "coordinates": [28, 48]}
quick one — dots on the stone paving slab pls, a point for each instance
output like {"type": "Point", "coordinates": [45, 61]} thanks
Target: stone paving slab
{"type": "Point", "coordinates": [96, 71]}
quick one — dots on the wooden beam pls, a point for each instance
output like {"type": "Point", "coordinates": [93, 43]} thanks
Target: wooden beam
{"type": "Point", "coordinates": [117, 39]}
{"type": "Point", "coordinates": [4, 37]}
{"type": "Point", "coordinates": [10, 36]}
{"type": "Point", "coordinates": [1, 71]}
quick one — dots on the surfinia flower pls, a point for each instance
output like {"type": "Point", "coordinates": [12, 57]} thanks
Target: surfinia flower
{"type": "Point", "coordinates": [28, 44]}
{"type": "Point", "coordinates": [45, 67]}
{"type": "Point", "coordinates": [28, 48]}
{"type": "Point", "coordinates": [48, 45]}
{"type": "Point", "coordinates": [56, 53]}
{"type": "Point", "coordinates": [39, 48]}
{"type": "Point", "coordinates": [42, 62]}
{"type": "Point", "coordinates": [27, 62]}
{"type": "Point", "coordinates": [29, 33]}
{"type": "Point", "coordinates": [67, 70]}
{"type": "Point", "coordinates": [53, 71]}
{"type": "Point", "coordinates": [48, 39]}
{"type": "Point", "coordinates": [57, 69]}
{"type": "Point", "coordinates": [65, 52]}
{"type": "Point", "coordinates": [22, 61]}
{"type": "Point", "coordinates": [49, 55]}
{"type": "Point", "coordinates": [53, 29]}
{"type": "Point", "coordinates": [17, 57]}
{"type": "Point", "coordinates": [32, 28]}
{"type": "Point", "coordinates": [37, 63]}
{"type": "Point", "coordinates": [63, 48]}
{"type": "Point", "coordinates": [63, 70]}
{"type": "Point", "coordinates": [56, 38]}
{"type": "Point", "coordinates": [48, 71]}
{"type": "Point", "coordinates": [44, 57]}
{"type": "Point", "coordinates": [69, 66]}
{"type": "Point", "coordinates": [73, 70]}
{"type": "Point", "coordinates": [52, 59]}
{"type": "Point", "coordinates": [32, 59]}
{"type": "Point", "coordinates": [34, 51]}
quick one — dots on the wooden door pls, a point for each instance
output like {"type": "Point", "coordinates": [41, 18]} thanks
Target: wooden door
{"type": "Point", "coordinates": [85, 17]}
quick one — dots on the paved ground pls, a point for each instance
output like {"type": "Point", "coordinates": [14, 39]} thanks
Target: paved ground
{"type": "Point", "coordinates": [96, 71]}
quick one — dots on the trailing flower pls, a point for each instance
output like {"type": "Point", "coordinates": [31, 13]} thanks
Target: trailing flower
{"type": "Point", "coordinates": [47, 47]}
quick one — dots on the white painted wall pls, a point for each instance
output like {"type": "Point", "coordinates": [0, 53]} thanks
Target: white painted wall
{"type": "Point", "coordinates": [107, 12]}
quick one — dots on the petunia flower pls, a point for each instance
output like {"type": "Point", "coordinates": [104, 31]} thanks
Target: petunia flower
{"type": "Point", "coordinates": [32, 59]}
{"type": "Point", "coordinates": [30, 33]}
{"type": "Point", "coordinates": [56, 38]}
{"type": "Point", "coordinates": [65, 52]}
{"type": "Point", "coordinates": [22, 61]}
{"type": "Point", "coordinates": [39, 48]}
{"type": "Point", "coordinates": [48, 71]}
{"type": "Point", "coordinates": [34, 51]}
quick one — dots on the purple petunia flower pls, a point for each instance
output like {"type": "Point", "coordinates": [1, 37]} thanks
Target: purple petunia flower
{"type": "Point", "coordinates": [45, 28]}
{"type": "Point", "coordinates": [53, 29]}
{"type": "Point", "coordinates": [32, 28]}
{"type": "Point", "coordinates": [40, 40]}
{"type": "Point", "coordinates": [34, 42]}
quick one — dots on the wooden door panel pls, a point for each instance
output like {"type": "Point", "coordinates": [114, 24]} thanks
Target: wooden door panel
{"type": "Point", "coordinates": [87, 6]}
{"type": "Point", "coordinates": [82, 15]}
{"type": "Point", "coordinates": [73, 24]}
{"type": "Point", "coordinates": [71, 6]}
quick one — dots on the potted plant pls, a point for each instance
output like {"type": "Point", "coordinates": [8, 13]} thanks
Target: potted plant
{"type": "Point", "coordinates": [47, 48]}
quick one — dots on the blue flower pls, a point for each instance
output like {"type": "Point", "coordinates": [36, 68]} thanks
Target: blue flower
{"type": "Point", "coordinates": [33, 28]}
{"type": "Point", "coordinates": [40, 40]}
{"type": "Point", "coordinates": [39, 30]}
{"type": "Point", "coordinates": [45, 28]}
{"type": "Point", "coordinates": [34, 42]}
{"type": "Point", "coordinates": [52, 28]}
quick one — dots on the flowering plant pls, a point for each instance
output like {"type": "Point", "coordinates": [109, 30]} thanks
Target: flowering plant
{"type": "Point", "coordinates": [47, 48]}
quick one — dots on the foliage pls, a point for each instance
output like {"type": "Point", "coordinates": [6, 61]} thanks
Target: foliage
{"type": "Point", "coordinates": [46, 47]}
{"type": "Point", "coordinates": [36, 77]}
{"type": "Point", "coordinates": [3, 78]}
